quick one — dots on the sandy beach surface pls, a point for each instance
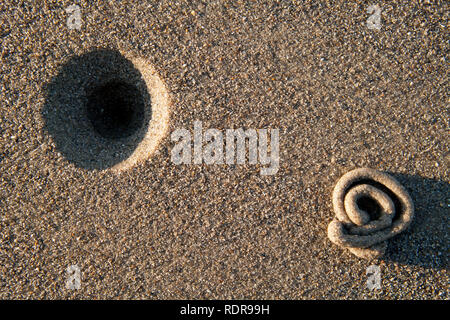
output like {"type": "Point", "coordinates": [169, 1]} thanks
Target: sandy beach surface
{"type": "Point", "coordinates": [341, 94]}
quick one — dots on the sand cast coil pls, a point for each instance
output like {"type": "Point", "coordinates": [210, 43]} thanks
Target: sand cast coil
{"type": "Point", "coordinates": [371, 207]}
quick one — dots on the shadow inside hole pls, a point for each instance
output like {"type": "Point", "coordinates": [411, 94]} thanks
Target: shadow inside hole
{"type": "Point", "coordinates": [397, 204]}
{"type": "Point", "coordinates": [370, 206]}
{"type": "Point", "coordinates": [97, 109]}
{"type": "Point", "coordinates": [115, 109]}
{"type": "Point", "coordinates": [426, 242]}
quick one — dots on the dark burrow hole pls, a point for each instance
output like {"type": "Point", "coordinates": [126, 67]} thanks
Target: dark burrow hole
{"type": "Point", "coordinates": [370, 206]}
{"type": "Point", "coordinates": [97, 109]}
{"type": "Point", "coordinates": [115, 109]}
{"type": "Point", "coordinates": [397, 203]}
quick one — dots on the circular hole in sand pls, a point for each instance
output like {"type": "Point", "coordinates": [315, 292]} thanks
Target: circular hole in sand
{"type": "Point", "coordinates": [115, 109]}
{"type": "Point", "coordinates": [106, 109]}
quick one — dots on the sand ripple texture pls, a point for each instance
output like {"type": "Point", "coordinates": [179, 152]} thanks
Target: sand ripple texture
{"type": "Point", "coordinates": [371, 207]}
